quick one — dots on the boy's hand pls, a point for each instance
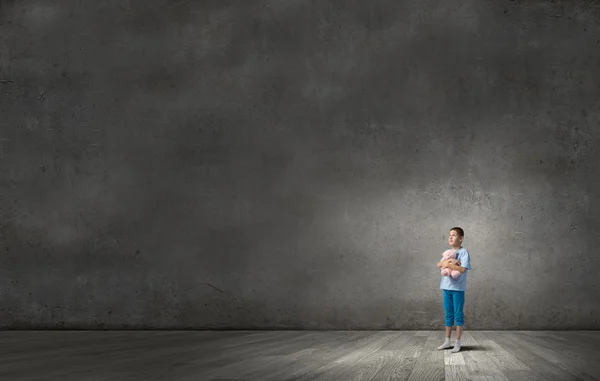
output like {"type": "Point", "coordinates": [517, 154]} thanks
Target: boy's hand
{"type": "Point", "coordinates": [454, 261]}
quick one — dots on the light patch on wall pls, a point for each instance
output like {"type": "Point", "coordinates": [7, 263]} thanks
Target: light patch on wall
{"type": "Point", "coordinates": [463, 16]}
{"type": "Point", "coordinates": [215, 33]}
{"type": "Point", "coordinates": [59, 231]}
{"type": "Point", "coordinates": [4, 60]}
{"type": "Point", "coordinates": [320, 91]}
{"type": "Point", "coordinates": [31, 122]}
{"type": "Point", "coordinates": [40, 16]}
{"type": "Point", "coordinates": [79, 206]}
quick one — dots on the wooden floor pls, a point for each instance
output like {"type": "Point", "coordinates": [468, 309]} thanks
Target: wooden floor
{"type": "Point", "coordinates": [297, 355]}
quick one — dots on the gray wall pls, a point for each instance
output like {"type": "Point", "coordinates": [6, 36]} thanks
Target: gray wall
{"type": "Point", "coordinates": [297, 164]}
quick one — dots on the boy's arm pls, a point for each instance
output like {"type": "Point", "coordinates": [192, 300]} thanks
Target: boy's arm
{"type": "Point", "coordinates": [445, 263]}
{"type": "Point", "coordinates": [456, 267]}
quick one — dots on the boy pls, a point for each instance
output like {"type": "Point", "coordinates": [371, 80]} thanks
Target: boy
{"type": "Point", "coordinates": [454, 289]}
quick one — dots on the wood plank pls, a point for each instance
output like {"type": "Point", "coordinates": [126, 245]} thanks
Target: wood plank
{"type": "Point", "coordinates": [350, 364]}
{"type": "Point", "coordinates": [573, 346]}
{"type": "Point", "coordinates": [379, 339]}
{"type": "Point", "coordinates": [300, 362]}
{"type": "Point", "coordinates": [490, 377]}
{"type": "Point", "coordinates": [434, 355]}
{"type": "Point", "coordinates": [318, 355]}
{"type": "Point", "coordinates": [41, 343]}
{"type": "Point", "coordinates": [397, 369]}
{"type": "Point", "coordinates": [457, 373]}
{"type": "Point", "coordinates": [338, 346]}
{"type": "Point", "coordinates": [453, 359]}
{"type": "Point", "coordinates": [407, 345]}
{"type": "Point", "coordinates": [573, 366]}
{"type": "Point", "coordinates": [423, 333]}
{"type": "Point", "coordinates": [113, 353]}
{"type": "Point", "coordinates": [400, 356]}
{"type": "Point", "coordinates": [538, 360]}
{"type": "Point", "coordinates": [299, 355]}
{"type": "Point", "coordinates": [430, 365]}
{"type": "Point", "coordinates": [581, 362]}
{"type": "Point", "coordinates": [590, 334]}
{"type": "Point", "coordinates": [584, 344]}
{"type": "Point", "coordinates": [477, 361]}
{"type": "Point", "coordinates": [179, 351]}
{"type": "Point", "coordinates": [257, 363]}
{"type": "Point", "coordinates": [544, 334]}
{"type": "Point", "coordinates": [370, 367]}
{"type": "Point", "coordinates": [469, 341]}
{"type": "Point", "coordinates": [477, 336]}
{"type": "Point", "coordinates": [258, 359]}
{"type": "Point", "coordinates": [501, 357]}
{"type": "Point", "coordinates": [527, 375]}
{"type": "Point", "coordinates": [455, 366]}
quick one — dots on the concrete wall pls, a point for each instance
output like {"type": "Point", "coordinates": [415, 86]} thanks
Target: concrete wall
{"type": "Point", "coordinates": [297, 164]}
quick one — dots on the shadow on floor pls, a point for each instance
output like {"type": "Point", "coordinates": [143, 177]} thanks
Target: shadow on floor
{"type": "Point", "coordinates": [464, 348]}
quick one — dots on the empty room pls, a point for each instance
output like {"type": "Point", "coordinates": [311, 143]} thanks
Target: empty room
{"type": "Point", "coordinates": [299, 190]}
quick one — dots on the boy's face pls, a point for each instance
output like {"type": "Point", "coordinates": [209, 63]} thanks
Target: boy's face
{"type": "Point", "coordinates": [454, 239]}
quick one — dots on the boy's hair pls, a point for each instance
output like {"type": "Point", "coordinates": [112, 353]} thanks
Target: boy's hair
{"type": "Point", "coordinates": [460, 232]}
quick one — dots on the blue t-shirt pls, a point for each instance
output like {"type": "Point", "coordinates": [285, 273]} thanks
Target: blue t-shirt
{"type": "Point", "coordinates": [460, 283]}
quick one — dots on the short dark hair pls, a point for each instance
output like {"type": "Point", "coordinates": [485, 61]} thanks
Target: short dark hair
{"type": "Point", "coordinates": [460, 232]}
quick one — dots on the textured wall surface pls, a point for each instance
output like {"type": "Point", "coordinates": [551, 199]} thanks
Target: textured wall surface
{"type": "Point", "coordinates": [297, 164]}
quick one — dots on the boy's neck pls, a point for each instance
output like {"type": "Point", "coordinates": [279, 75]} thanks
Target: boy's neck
{"type": "Point", "coordinates": [457, 248]}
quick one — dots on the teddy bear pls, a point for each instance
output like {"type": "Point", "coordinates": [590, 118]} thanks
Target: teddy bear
{"type": "Point", "coordinates": [448, 254]}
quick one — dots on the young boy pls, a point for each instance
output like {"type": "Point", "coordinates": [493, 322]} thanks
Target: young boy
{"type": "Point", "coordinates": [454, 289]}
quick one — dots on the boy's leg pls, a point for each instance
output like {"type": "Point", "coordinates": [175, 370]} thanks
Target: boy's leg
{"type": "Point", "coordinates": [449, 308]}
{"type": "Point", "coordinates": [458, 302]}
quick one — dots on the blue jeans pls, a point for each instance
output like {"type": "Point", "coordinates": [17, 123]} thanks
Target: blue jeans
{"type": "Point", "coordinates": [453, 304]}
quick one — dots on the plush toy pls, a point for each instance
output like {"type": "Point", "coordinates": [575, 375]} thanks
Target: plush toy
{"type": "Point", "coordinates": [448, 254]}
